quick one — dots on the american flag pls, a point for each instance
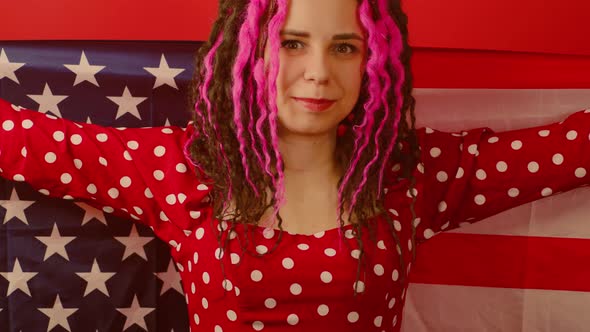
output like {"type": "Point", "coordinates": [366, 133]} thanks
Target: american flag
{"type": "Point", "coordinates": [65, 266]}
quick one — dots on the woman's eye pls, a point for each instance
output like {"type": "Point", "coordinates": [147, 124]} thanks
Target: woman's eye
{"type": "Point", "coordinates": [346, 48]}
{"type": "Point", "coordinates": [290, 44]}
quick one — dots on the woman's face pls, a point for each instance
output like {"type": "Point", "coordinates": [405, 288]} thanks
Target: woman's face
{"type": "Point", "coordinates": [322, 57]}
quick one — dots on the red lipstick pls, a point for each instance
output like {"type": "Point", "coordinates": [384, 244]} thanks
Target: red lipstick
{"type": "Point", "coordinates": [315, 105]}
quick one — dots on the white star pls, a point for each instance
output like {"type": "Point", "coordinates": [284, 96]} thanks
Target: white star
{"type": "Point", "coordinates": [84, 71]}
{"type": "Point", "coordinates": [17, 279]}
{"type": "Point", "coordinates": [91, 213]}
{"type": "Point", "coordinates": [171, 279]}
{"type": "Point", "coordinates": [48, 101]}
{"type": "Point", "coordinates": [58, 315]}
{"type": "Point", "coordinates": [164, 74]}
{"type": "Point", "coordinates": [135, 314]}
{"type": "Point", "coordinates": [56, 244]}
{"type": "Point", "coordinates": [8, 68]}
{"type": "Point", "coordinates": [96, 279]}
{"type": "Point", "coordinates": [88, 120]}
{"type": "Point", "coordinates": [134, 243]}
{"type": "Point", "coordinates": [127, 103]}
{"type": "Point", "coordinates": [15, 208]}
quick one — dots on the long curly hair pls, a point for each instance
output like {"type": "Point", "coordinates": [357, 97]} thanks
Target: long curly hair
{"type": "Point", "coordinates": [235, 146]}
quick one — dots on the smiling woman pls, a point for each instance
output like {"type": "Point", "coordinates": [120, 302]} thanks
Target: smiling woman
{"type": "Point", "coordinates": [309, 193]}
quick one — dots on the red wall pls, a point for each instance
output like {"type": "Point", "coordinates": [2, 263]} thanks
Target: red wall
{"type": "Point", "coordinates": [521, 25]}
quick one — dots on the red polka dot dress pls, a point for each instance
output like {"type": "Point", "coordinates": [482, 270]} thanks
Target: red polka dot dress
{"type": "Point", "coordinates": [307, 283]}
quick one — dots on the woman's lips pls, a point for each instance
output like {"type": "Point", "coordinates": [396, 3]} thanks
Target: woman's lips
{"type": "Point", "coordinates": [316, 105]}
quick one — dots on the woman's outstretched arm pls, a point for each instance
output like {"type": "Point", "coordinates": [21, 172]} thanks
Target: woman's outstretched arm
{"type": "Point", "coordinates": [138, 173]}
{"type": "Point", "coordinates": [469, 176]}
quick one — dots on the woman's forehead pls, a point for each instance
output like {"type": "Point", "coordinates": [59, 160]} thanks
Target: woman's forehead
{"type": "Point", "coordinates": [323, 17]}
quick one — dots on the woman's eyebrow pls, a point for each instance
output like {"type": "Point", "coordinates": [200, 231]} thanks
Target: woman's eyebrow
{"type": "Point", "coordinates": [304, 34]}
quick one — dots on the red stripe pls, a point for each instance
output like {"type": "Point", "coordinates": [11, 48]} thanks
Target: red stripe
{"type": "Point", "coordinates": [439, 68]}
{"type": "Point", "coordinates": [504, 261]}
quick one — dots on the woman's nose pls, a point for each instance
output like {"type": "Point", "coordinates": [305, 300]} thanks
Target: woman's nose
{"type": "Point", "coordinates": [317, 68]}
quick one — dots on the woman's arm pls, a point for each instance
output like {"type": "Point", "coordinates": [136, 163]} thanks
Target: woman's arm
{"type": "Point", "coordinates": [138, 173]}
{"type": "Point", "coordinates": [469, 176]}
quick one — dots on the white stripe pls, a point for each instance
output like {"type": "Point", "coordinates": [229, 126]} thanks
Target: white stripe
{"type": "Point", "coordinates": [438, 308]}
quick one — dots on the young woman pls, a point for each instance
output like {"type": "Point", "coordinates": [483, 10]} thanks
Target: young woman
{"type": "Point", "coordinates": [297, 197]}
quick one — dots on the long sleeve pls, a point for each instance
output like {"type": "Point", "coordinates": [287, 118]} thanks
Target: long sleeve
{"type": "Point", "coordinates": [138, 173]}
{"type": "Point", "coordinates": [469, 176]}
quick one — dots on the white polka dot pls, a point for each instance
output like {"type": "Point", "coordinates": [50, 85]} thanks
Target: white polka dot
{"type": "Point", "coordinates": [442, 206]}
{"type": "Point", "coordinates": [533, 167]}
{"type": "Point", "coordinates": [353, 317]}
{"type": "Point", "coordinates": [91, 188]}
{"type": "Point", "coordinates": [159, 151]}
{"type": "Point", "coordinates": [50, 157]}
{"type": "Point", "coordinates": [442, 176]}
{"type": "Point", "coordinates": [410, 244]}
{"type": "Point", "coordinates": [359, 286]}
{"type": "Point", "coordinates": [270, 303]}
{"type": "Point", "coordinates": [158, 175]}
{"type": "Point", "coordinates": [195, 214]}
{"type": "Point", "coordinates": [8, 125]}
{"type": "Point", "coordinates": [501, 166]}
{"type": "Point", "coordinates": [391, 302]}
{"type": "Point", "coordinates": [180, 267]}
{"type": "Point", "coordinates": [303, 246]}
{"type": "Point", "coordinates": [326, 277]}
{"type": "Point", "coordinates": [66, 178]}
{"type": "Point", "coordinates": [102, 161]}
{"type": "Point", "coordinates": [571, 135]}
{"type": "Point", "coordinates": [199, 233]}
{"type": "Point", "coordinates": [420, 167]}
{"type": "Point", "coordinates": [355, 253]}
{"type": "Point", "coordinates": [163, 216]}
{"type": "Point", "coordinates": [268, 233]}
{"type": "Point", "coordinates": [108, 209]}
{"type": "Point", "coordinates": [377, 321]}
{"type": "Point", "coordinates": [378, 269]}
{"type": "Point", "coordinates": [206, 278]}
{"type": "Point", "coordinates": [546, 192]}
{"type": "Point", "coordinates": [472, 149]}
{"type": "Point", "coordinates": [235, 258]}
{"type": "Point", "coordinates": [288, 263]}
{"type": "Point", "coordinates": [23, 151]}
{"type": "Point", "coordinates": [397, 225]}
{"type": "Point", "coordinates": [395, 318]}
{"type": "Point", "coordinates": [148, 193]}
{"type": "Point", "coordinates": [480, 174]}
{"type": "Point", "coordinates": [257, 325]}
{"type": "Point", "coordinates": [516, 145]}
{"type": "Point", "coordinates": [319, 235]}
{"type": "Point", "coordinates": [196, 319]}
{"type": "Point", "coordinates": [171, 199]}
{"type": "Point", "coordinates": [181, 168]}
{"type": "Point", "coordinates": [381, 245]}
{"type": "Point", "coordinates": [428, 233]}
{"type": "Point", "coordinates": [493, 140]}
{"type": "Point", "coordinates": [513, 192]}
{"type": "Point", "coordinates": [480, 199]}
{"type": "Point", "coordinates": [44, 192]}
{"type": "Point", "coordinates": [557, 159]}
{"type": "Point", "coordinates": [102, 137]}
{"type": "Point", "coordinates": [114, 193]}
{"type": "Point", "coordinates": [256, 275]}
{"type": "Point", "coordinates": [261, 249]}
{"type": "Point", "coordinates": [435, 152]}
{"type": "Point", "coordinates": [323, 310]}
{"type": "Point", "coordinates": [167, 131]}
{"type": "Point", "coordinates": [544, 133]}
{"type": "Point", "coordinates": [219, 252]}
{"type": "Point", "coordinates": [202, 187]}
{"type": "Point", "coordinates": [78, 163]}
{"type": "Point", "coordinates": [127, 156]}
{"type": "Point", "coordinates": [76, 139]}
{"type": "Point", "coordinates": [18, 177]}
{"type": "Point", "coordinates": [394, 275]}
{"type": "Point", "coordinates": [217, 329]}
{"type": "Point", "coordinates": [205, 303]}
{"type": "Point", "coordinates": [227, 285]}
{"type": "Point", "coordinates": [460, 173]}
{"type": "Point", "coordinates": [138, 210]}
{"type": "Point", "coordinates": [292, 319]}
{"type": "Point", "coordinates": [58, 136]}
{"type": "Point", "coordinates": [330, 252]}
{"type": "Point", "coordinates": [295, 289]}
{"type": "Point", "coordinates": [27, 124]}
{"type": "Point", "coordinates": [125, 182]}
{"type": "Point", "coordinates": [580, 173]}
{"type": "Point", "coordinates": [133, 145]}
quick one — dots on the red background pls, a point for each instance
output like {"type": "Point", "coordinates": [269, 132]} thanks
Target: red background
{"type": "Point", "coordinates": [517, 25]}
